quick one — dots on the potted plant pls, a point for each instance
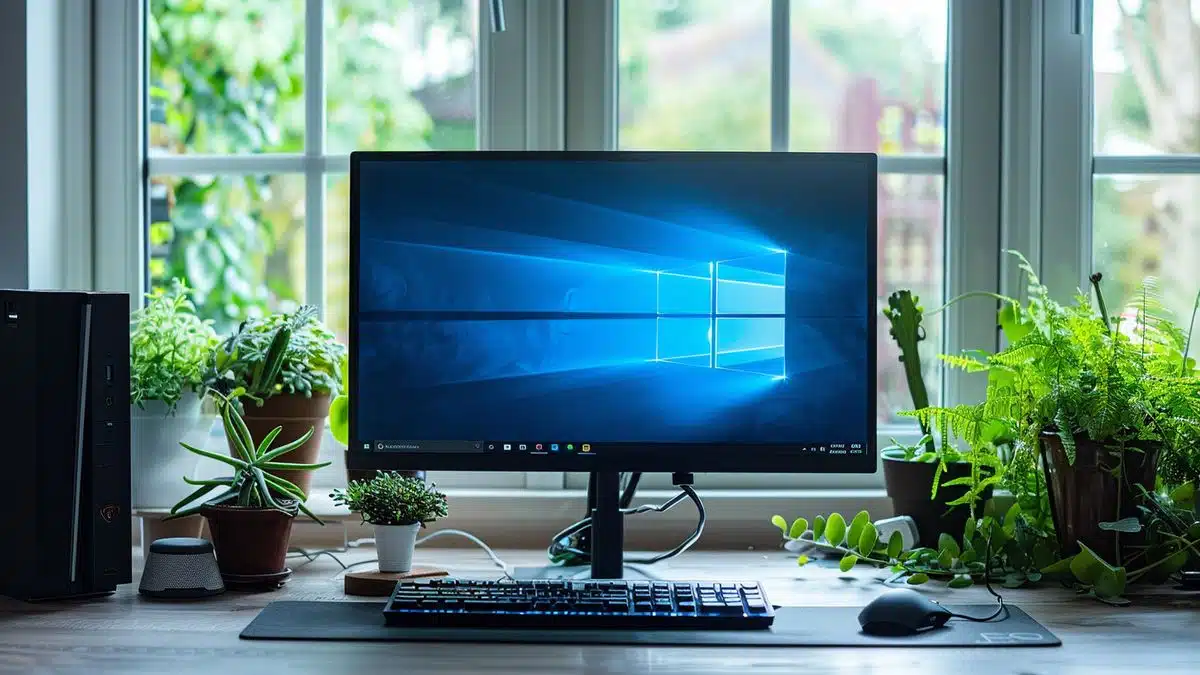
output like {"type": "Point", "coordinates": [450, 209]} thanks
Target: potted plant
{"type": "Point", "coordinates": [1097, 401]}
{"type": "Point", "coordinates": [249, 523]}
{"type": "Point", "coordinates": [289, 366]}
{"type": "Point", "coordinates": [398, 506]}
{"type": "Point", "coordinates": [169, 347]}
{"type": "Point", "coordinates": [928, 480]}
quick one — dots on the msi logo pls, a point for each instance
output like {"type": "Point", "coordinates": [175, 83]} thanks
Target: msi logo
{"type": "Point", "coordinates": [109, 512]}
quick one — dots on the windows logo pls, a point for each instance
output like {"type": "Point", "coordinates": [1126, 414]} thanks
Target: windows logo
{"type": "Point", "coordinates": [725, 314]}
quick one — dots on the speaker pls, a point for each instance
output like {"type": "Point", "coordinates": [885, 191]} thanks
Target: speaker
{"type": "Point", "coordinates": [181, 567]}
{"type": "Point", "coordinates": [64, 394]}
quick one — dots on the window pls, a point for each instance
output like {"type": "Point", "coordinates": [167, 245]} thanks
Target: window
{"type": "Point", "coordinates": [230, 168]}
{"type": "Point", "coordinates": [867, 75]}
{"type": "Point", "coordinates": [1146, 172]}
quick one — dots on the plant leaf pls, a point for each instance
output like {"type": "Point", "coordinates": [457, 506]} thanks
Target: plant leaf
{"type": "Point", "coordinates": [835, 529]}
{"type": "Point", "coordinates": [1130, 525]}
{"type": "Point", "coordinates": [1110, 583]}
{"type": "Point", "coordinates": [867, 539]}
{"type": "Point", "coordinates": [1059, 568]}
{"type": "Point", "coordinates": [224, 459]}
{"type": "Point", "coordinates": [948, 543]}
{"type": "Point", "coordinates": [856, 527]}
{"type": "Point", "coordinates": [799, 527]}
{"type": "Point", "coordinates": [945, 558]}
{"type": "Point", "coordinates": [961, 581]}
{"type": "Point", "coordinates": [818, 527]}
{"type": "Point", "coordinates": [288, 466]}
{"type": "Point", "coordinates": [1184, 495]}
{"type": "Point", "coordinates": [778, 521]}
{"type": "Point", "coordinates": [848, 562]}
{"type": "Point", "coordinates": [917, 579]}
{"type": "Point", "coordinates": [267, 441]}
{"type": "Point", "coordinates": [895, 544]}
{"type": "Point", "coordinates": [198, 493]}
{"type": "Point", "coordinates": [287, 447]}
{"type": "Point", "coordinates": [802, 561]}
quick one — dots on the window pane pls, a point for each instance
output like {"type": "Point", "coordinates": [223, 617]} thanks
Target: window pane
{"type": "Point", "coordinates": [868, 75]}
{"type": "Point", "coordinates": [1146, 62]}
{"type": "Point", "coordinates": [238, 241]}
{"type": "Point", "coordinates": [1139, 230]}
{"type": "Point", "coordinates": [226, 77]}
{"type": "Point", "coordinates": [910, 256]}
{"type": "Point", "coordinates": [694, 74]}
{"type": "Point", "coordinates": [400, 74]}
{"type": "Point", "coordinates": [337, 256]}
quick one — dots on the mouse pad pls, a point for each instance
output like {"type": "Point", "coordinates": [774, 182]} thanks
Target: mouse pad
{"type": "Point", "coordinates": [794, 627]}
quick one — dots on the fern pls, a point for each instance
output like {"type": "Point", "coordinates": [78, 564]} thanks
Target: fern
{"type": "Point", "coordinates": [964, 363]}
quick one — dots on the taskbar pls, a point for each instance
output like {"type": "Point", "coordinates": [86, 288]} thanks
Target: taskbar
{"type": "Point", "coordinates": [573, 447]}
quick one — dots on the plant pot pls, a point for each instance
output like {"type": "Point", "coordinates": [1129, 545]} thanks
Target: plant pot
{"type": "Point", "coordinates": [296, 414]}
{"type": "Point", "coordinates": [157, 462]}
{"type": "Point", "coordinates": [909, 484]}
{"type": "Point", "coordinates": [249, 541]}
{"type": "Point", "coordinates": [395, 544]}
{"type": "Point", "coordinates": [1086, 493]}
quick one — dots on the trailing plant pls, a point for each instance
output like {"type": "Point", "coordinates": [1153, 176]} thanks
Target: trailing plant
{"type": "Point", "coordinates": [169, 347]}
{"type": "Point", "coordinates": [391, 498]}
{"type": "Point", "coordinates": [1003, 547]}
{"type": "Point", "coordinates": [280, 354]}
{"type": "Point", "coordinates": [252, 483]}
{"type": "Point", "coordinates": [1172, 534]}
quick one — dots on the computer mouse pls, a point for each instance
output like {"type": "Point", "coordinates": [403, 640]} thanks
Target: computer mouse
{"type": "Point", "coordinates": [902, 611]}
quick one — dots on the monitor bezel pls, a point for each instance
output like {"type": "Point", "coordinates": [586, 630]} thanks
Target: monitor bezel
{"type": "Point", "coordinates": [682, 457]}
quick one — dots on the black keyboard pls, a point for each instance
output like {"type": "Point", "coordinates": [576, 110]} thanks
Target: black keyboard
{"type": "Point", "coordinates": [661, 605]}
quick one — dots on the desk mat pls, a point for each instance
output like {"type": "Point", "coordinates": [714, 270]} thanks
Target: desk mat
{"type": "Point", "coordinates": [794, 627]}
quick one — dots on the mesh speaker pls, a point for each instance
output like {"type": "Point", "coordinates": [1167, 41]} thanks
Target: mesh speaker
{"type": "Point", "coordinates": [181, 567]}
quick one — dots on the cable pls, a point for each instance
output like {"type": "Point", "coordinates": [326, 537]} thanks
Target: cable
{"type": "Point", "coordinates": [630, 489]}
{"type": "Point", "coordinates": [987, 583]}
{"type": "Point", "coordinates": [562, 549]}
{"type": "Point", "coordinates": [467, 535]}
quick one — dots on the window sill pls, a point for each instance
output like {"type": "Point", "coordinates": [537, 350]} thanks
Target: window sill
{"type": "Point", "coordinates": [515, 518]}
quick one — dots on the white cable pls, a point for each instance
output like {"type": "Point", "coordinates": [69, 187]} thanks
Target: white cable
{"type": "Point", "coordinates": [467, 535]}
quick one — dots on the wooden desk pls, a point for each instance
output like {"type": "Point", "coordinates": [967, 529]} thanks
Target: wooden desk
{"type": "Point", "coordinates": [1160, 633]}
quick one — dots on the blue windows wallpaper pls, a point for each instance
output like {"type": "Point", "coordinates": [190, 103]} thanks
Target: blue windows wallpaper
{"type": "Point", "coordinates": [617, 301]}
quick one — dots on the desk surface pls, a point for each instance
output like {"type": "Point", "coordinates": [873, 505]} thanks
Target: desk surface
{"type": "Point", "coordinates": [124, 633]}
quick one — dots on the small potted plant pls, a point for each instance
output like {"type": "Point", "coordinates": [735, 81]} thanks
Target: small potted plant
{"type": "Point", "coordinates": [289, 366]}
{"type": "Point", "coordinates": [918, 477]}
{"type": "Point", "coordinates": [398, 506]}
{"type": "Point", "coordinates": [169, 348]}
{"type": "Point", "coordinates": [251, 520]}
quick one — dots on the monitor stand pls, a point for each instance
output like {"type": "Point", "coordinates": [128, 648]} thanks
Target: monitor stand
{"type": "Point", "coordinates": [606, 538]}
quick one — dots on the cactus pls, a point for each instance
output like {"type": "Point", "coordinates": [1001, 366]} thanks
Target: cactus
{"type": "Point", "coordinates": [904, 312]}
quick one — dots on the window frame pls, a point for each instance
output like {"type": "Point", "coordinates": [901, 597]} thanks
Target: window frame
{"type": "Point", "coordinates": [970, 168]}
{"type": "Point", "coordinates": [549, 82]}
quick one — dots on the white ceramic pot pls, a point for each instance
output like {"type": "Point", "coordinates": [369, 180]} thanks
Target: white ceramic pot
{"type": "Point", "coordinates": [395, 544]}
{"type": "Point", "coordinates": [157, 461]}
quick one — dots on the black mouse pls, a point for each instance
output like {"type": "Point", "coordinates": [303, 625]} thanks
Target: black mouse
{"type": "Point", "coordinates": [902, 611]}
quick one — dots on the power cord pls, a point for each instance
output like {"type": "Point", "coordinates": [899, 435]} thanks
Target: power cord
{"type": "Point", "coordinates": [987, 583]}
{"type": "Point", "coordinates": [310, 556]}
{"type": "Point", "coordinates": [565, 550]}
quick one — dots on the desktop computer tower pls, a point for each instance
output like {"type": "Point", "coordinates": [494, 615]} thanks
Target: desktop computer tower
{"type": "Point", "coordinates": [64, 395]}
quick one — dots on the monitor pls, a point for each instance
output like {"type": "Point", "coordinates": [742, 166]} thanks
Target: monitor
{"type": "Point", "coordinates": [612, 311]}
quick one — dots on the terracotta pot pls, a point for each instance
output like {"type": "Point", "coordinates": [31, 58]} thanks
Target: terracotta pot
{"type": "Point", "coordinates": [1086, 493]}
{"type": "Point", "coordinates": [249, 541]}
{"type": "Point", "coordinates": [296, 414]}
{"type": "Point", "coordinates": [908, 486]}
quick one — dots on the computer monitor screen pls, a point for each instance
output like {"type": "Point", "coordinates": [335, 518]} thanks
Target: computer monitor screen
{"type": "Point", "coordinates": [613, 311]}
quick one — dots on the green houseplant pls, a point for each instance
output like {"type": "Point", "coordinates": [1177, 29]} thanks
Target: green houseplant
{"type": "Point", "coordinates": [169, 347]}
{"type": "Point", "coordinates": [398, 506]}
{"type": "Point", "coordinates": [251, 520]}
{"type": "Point", "coordinates": [924, 479]}
{"type": "Point", "coordinates": [289, 366]}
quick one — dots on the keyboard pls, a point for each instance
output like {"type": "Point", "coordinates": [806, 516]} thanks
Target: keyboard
{"type": "Point", "coordinates": [628, 604]}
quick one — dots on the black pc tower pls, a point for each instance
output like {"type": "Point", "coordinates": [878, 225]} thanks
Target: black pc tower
{"type": "Point", "coordinates": [64, 392]}
{"type": "Point", "coordinates": [611, 312]}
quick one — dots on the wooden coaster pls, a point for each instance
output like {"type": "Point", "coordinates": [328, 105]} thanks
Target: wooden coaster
{"type": "Point", "coordinates": [378, 584]}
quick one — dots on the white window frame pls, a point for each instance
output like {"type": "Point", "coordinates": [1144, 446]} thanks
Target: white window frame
{"type": "Point", "coordinates": [1069, 163]}
{"type": "Point", "coordinates": [971, 167]}
{"type": "Point", "coordinates": [549, 82]}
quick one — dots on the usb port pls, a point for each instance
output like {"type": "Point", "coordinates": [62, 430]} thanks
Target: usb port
{"type": "Point", "coordinates": [108, 374]}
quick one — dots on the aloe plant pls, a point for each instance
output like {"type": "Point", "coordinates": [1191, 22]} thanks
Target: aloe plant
{"type": "Point", "coordinates": [253, 480]}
